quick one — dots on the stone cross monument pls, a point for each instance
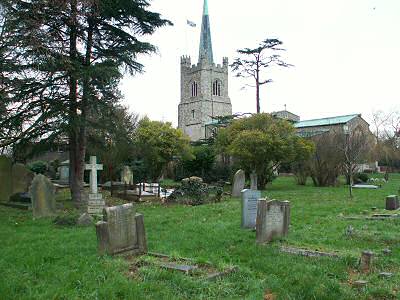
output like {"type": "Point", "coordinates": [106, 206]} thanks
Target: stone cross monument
{"type": "Point", "coordinates": [96, 202]}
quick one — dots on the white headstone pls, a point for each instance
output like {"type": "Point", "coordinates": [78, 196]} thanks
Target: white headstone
{"type": "Point", "coordinates": [96, 202]}
{"type": "Point", "coordinates": [249, 208]}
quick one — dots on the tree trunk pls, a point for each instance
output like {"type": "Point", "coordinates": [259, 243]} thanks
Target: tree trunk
{"type": "Point", "coordinates": [258, 91]}
{"type": "Point", "coordinates": [77, 145]}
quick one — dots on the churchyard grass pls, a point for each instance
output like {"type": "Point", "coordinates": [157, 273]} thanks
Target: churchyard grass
{"type": "Point", "coordinates": [39, 260]}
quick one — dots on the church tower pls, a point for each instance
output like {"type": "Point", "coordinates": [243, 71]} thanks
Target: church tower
{"type": "Point", "coordinates": [204, 87]}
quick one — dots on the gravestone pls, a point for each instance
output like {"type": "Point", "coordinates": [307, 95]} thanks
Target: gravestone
{"type": "Point", "coordinates": [5, 179]}
{"type": "Point", "coordinates": [249, 208]}
{"type": "Point", "coordinates": [127, 175]}
{"type": "Point", "coordinates": [42, 192]}
{"type": "Point", "coordinates": [96, 202]}
{"type": "Point", "coordinates": [64, 172]}
{"type": "Point", "coordinates": [392, 202]}
{"type": "Point", "coordinates": [21, 179]}
{"type": "Point", "coordinates": [238, 183]}
{"type": "Point", "coordinates": [121, 231]}
{"type": "Point", "coordinates": [273, 219]}
{"type": "Point", "coordinates": [253, 181]}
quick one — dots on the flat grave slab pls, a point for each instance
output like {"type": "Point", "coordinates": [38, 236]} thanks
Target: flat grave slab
{"type": "Point", "coordinates": [308, 253]}
{"type": "Point", "coordinates": [365, 186]}
{"type": "Point", "coordinates": [185, 266]}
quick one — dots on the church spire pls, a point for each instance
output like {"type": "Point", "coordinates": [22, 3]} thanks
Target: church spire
{"type": "Point", "coordinates": [205, 51]}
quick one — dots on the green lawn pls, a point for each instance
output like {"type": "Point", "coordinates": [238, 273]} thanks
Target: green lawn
{"type": "Point", "coordinates": [41, 261]}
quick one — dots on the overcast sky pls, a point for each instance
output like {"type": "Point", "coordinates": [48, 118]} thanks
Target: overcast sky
{"type": "Point", "coordinates": [346, 55]}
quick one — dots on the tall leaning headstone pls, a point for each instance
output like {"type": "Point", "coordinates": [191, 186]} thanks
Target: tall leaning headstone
{"type": "Point", "coordinates": [249, 208]}
{"type": "Point", "coordinates": [5, 179]}
{"type": "Point", "coordinates": [121, 231]}
{"type": "Point", "coordinates": [42, 192]}
{"type": "Point", "coordinates": [273, 219]}
{"type": "Point", "coordinates": [238, 183]}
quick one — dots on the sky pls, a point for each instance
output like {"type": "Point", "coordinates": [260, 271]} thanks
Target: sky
{"type": "Point", "coordinates": [346, 56]}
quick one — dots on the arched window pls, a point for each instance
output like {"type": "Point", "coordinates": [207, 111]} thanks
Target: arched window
{"type": "Point", "coordinates": [216, 88]}
{"type": "Point", "coordinates": [194, 89]}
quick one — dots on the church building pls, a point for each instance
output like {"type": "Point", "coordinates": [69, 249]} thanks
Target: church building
{"type": "Point", "coordinates": [204, 87]}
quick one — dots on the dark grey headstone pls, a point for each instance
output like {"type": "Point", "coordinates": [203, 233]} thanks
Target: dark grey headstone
{"type": "Point", "coordinates": [238, 183]}
{"type": "Point", "coordinates": [249, 208]}
{"type": "Point", "coordinates": [21, 178]}
{"type": "Point", "coordinates": [253, 181]}
{"type": "Point", "coordinates": [121, 231]}
{"type": "Point", "coordinates": [5, 179]}
{"type": "Point", "coordinates": [392, 202]}
{"type": "Point", "coordinates": [42, 192]}
{"type": "Point", "coordinates": [273, 219]}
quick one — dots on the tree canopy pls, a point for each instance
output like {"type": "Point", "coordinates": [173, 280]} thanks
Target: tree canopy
{"type": "Point", "coordinates": [261, 143]}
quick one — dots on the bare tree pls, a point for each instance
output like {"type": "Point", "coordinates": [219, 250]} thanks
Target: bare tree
{"type": "Point", "coordinates": [252, 61]}
{"type": "Point", "coordinates": [355, 145]}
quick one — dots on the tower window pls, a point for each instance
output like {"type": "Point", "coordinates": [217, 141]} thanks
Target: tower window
{"type": "Point", "coordinates": [194, 89]}
{"type": "Point", "coordinates": [216, 88]}
{"type": "Point", "coordinates": [193, 113]}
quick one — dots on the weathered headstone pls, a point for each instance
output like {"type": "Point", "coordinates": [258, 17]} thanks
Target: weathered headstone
{"type": "Point", "coordinates": [253, 181]}
{"type": "Point", "coordinates": [21, 179]}
{"type": "Point", "coordinates": [392, 202]}
{"type": "Point", "coordinates": [5, 179]}
{"type": "Point", "coordinates": [273, 219]}
{"type": "Point", "coordinates": [85, 220]}
{"type": "Point", "coordinates": [121, 231]}
{"type": "Point", "coordinates": [366, 261]}
{"type": "Point", "coordinates": [249, 208]}
{"type": "Point", "coordinates": [96, 202]}
{"type": "Point", "coordinates": [42, 192]}
{"type": "Point", "coordinates": [127, 175]}
{"type": "Point", "coordinates": [238, 183]}
{"type": "Point", "coordinates": [64, 172]}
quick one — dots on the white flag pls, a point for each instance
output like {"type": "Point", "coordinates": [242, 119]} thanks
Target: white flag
{"type": "Point", "coordinates": [190, 23]}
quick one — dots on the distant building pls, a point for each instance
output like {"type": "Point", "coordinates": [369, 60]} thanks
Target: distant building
{"type": "Point", "coordinates": [314, 127]}
{"type": "Point", "coordinates": [286, 115]}
{"type": "Point", "coordinates": [204, 87]}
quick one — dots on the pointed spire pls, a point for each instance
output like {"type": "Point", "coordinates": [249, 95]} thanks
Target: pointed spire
{"type": "Point", "coordinates": [205, 51]}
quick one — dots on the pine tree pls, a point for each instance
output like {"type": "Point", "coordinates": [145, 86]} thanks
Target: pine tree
{"type": "Point", "coordinates": [61, 62]}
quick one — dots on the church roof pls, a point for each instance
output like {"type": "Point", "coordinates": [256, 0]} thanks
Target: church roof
{"type": "Point", "coordinates": [205, 49]}
{"type": "Point", "coordinates": [326, 121]}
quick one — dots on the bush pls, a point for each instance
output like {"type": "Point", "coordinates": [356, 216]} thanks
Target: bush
{"type": "Point", "coordinates": [192, 191]}
{"type": "Point", "coordinates": [360, 178]}
{"type": "Point", "coordinates": [66, 219]}
{"type": "Point", "coordinates": [38, 167]}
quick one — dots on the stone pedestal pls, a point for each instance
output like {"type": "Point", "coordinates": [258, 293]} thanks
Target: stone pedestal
{"type": "Point", "coordinates": [366, 261]}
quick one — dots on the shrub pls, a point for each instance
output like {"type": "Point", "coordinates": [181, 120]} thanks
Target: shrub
{"type": "Point", "coordinates": [360, 178]}
{"type": "Point", "coordinates": [66, 219]}
{"type": "Point", "coordinates": [38, 167]}
{"type": "Point", "coordinates": [192, 191]}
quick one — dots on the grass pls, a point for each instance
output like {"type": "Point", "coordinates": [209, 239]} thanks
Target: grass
{"type": "Point", "coordinates": [41, 261]}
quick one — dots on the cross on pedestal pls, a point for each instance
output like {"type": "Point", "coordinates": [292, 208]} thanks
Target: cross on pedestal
{"type": "Point", "coordinates": [93, 167]}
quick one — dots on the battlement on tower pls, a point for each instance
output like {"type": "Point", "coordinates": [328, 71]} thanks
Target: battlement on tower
{"type": "Point", "coordinates": [204, 65]}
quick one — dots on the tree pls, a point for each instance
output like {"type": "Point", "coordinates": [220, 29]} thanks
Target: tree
{"type": "Point", "coordinates": [158, 144]}
{"type": "Point", "coordinates": [252, 61]}
{"type": "Point", "coordinates": [202, 164]}
{"type": "Point", "coordinates": [112, 139]}
{"type": "Point", "coordinates": [354, 144]}
{"type": "Point", "coordinates": [61, 62]}
{"type": "Point", "coordinates": [262, 143]}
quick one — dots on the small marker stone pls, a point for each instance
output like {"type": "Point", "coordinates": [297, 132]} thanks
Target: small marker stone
{"type": "Point", "coordinates": [385, 275]}
{"type": "Point", "coordinates": [387, 251]}
{"type": "Point", "coordinates": [360, 283]}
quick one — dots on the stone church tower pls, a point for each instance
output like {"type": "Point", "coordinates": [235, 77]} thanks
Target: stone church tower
{"type": "Point", "coordinates": [204, 87]}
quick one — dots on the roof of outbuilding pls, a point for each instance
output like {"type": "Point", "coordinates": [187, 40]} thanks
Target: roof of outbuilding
{"type": "Point", "coordinates": [325, 121]}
